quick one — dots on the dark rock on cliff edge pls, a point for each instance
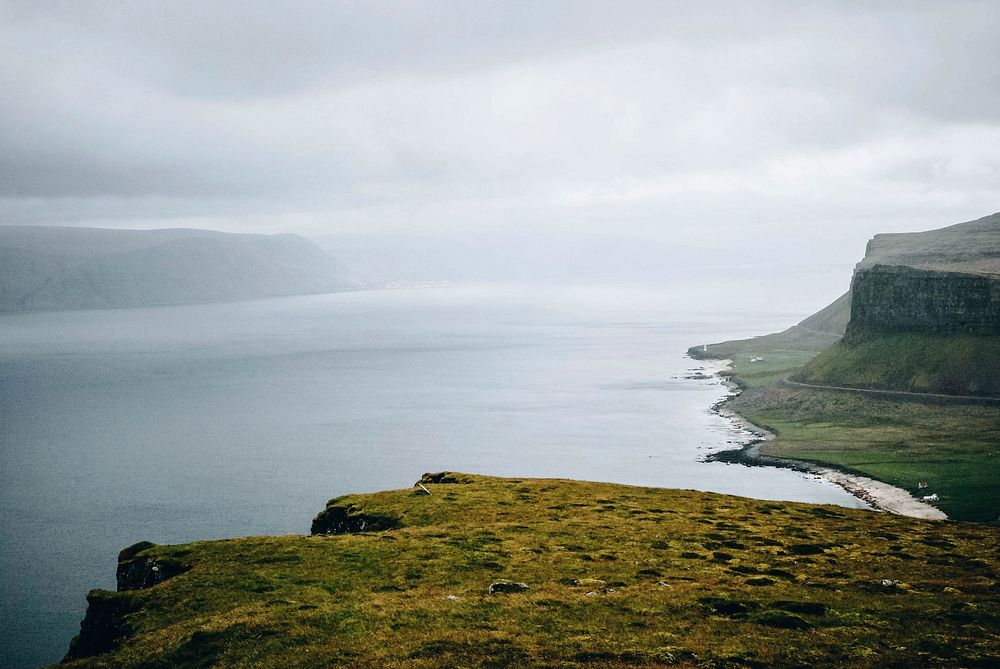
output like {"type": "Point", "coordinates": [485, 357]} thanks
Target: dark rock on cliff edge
{"type": "Point", "coordinates": [106, 623]}
{"type": "Point", "coordinates": [925, 316]}
{"type": "Point", "coordinates": [943, 281]}
{"type": "Point", "coordinates": [104, 626]}
{"type": "Point", "coordinates": [340, 517]}
{"type": "Point", "coordinates": [443, 478]}
{"type": "Point", "coordinates": [137, 571]}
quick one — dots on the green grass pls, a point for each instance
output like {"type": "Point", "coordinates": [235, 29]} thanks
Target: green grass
{"type": "Point", "coordinates": [951, 364]}
{"type": "Point", "coordinates": [955, 448]}
{"type": "Point", "coordinates": [617, 576]}
{"type": "Point", "coordinates": [772, 366]}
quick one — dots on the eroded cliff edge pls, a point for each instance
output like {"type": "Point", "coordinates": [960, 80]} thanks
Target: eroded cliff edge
{"type": "Point", "coordinates": [486, 572]}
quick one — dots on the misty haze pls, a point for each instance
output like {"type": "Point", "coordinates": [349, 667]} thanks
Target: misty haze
{"type": "Point", "coordinates": [504, 334]}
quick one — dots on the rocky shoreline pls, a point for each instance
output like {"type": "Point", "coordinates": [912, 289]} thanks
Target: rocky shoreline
{"type": "Point", "coordinates": [878, 495]}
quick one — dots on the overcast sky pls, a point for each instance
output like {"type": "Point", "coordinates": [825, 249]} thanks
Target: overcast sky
{"type": "Point", "coordinates": [734, 122]}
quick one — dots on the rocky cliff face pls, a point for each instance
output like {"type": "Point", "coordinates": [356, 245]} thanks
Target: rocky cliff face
{"type": "Point", "coordinates": [891, 299]}
{"type": "Point", "coordinates": [939, 282]}
{"type": "Point", "coordinates": [925, 315]}
{"type": "Point", "coordinates": [106, 624]}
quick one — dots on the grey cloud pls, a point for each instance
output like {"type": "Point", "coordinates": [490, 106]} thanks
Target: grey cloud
{"type": "Point", "coordinates": [641, 115]}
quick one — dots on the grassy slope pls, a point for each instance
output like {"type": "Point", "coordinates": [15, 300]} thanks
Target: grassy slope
{"type": "Point", "coordinates": [805, 340]}
{"type": "Point", "coordinates": [775, 365]}
{"type": "Point", "coordinates": [955, 448]}
{"type": "Point", "coordinates": [617, 576]}
{"type": "Point", "coordinates": [952, 364]}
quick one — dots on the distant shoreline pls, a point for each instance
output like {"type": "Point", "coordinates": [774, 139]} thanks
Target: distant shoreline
{"type": "Point", "coordinates": [880, 496]}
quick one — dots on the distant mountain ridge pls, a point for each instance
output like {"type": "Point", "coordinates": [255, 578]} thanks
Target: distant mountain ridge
{"type": "Point", "coordinates": [85, 268]}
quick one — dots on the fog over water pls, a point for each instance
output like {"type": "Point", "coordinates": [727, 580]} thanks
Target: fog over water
{"type": "Point", "coordinates": [173, 424]}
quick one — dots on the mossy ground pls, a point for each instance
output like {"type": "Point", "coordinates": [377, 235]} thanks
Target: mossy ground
{"type": "Point", "coordinates": [617, 576]}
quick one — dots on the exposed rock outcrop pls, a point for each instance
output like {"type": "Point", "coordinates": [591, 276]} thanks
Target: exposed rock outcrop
{"type": "Point", "coordinates": [889, 299]}
{"type": "Point", "coordinates": [346, 518]}
{"type": "Point", "coordinates": [136, 571]}
{"type": "Point", "coordinates": [943, 281]}
{"type": "Point", "coordinates": [443, 478]}
{"type": "Point", "coordinates": [106, 623]}
{"type": "Point", "coordinates": [925, 316]}
{"type": "Point", "coordinates": [104, 626]}
{"type": "Point", "coordinates": [922, 316]}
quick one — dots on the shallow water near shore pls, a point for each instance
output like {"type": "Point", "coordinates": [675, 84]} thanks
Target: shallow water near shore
{"type": "Point", "coordinates": [174, 424]}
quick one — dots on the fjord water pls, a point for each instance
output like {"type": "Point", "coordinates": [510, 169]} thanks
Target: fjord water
{"type": "Point", "coordinates": [174, 424]}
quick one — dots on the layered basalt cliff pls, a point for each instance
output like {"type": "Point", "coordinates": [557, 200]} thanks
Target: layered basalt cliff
{"type": "Point", "coordinates": [894, 299]}
{"type": "Point", "coordinates": [941, 282]}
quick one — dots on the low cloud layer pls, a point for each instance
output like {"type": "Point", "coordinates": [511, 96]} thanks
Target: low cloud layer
{"type": "Point", "coordinates": [731, 121]}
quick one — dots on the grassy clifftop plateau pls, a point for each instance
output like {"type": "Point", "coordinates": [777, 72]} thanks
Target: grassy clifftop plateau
{"type": "Point", "coordinates": [967, 248]}
{"type": "Point", "coordinates": [490, 572]}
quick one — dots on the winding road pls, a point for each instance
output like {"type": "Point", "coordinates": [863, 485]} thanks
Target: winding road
{"type": "Point", "coordinates": [904, 394]}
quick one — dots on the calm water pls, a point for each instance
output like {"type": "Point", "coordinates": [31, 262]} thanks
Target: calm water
{"type": "Point", "coordinates": [180, 423]}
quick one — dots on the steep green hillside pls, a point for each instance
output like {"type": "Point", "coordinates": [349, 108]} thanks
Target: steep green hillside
{"type": "Point", "coordinates": [83, 268]}
{"type": "Point", "coordinates": [915, 362]}
{"type": "Point", "coordinates": [486, 572]}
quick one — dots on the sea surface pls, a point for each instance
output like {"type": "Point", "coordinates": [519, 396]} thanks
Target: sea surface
{"type": "Point", "coordinates": [172, 424]}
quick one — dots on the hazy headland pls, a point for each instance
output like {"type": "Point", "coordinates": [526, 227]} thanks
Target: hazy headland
{"type": "Point", "coordinates": [86, 268]}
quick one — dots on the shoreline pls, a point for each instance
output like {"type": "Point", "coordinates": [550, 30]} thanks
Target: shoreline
{"type": "Point", "coordinates": [880, 496]}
